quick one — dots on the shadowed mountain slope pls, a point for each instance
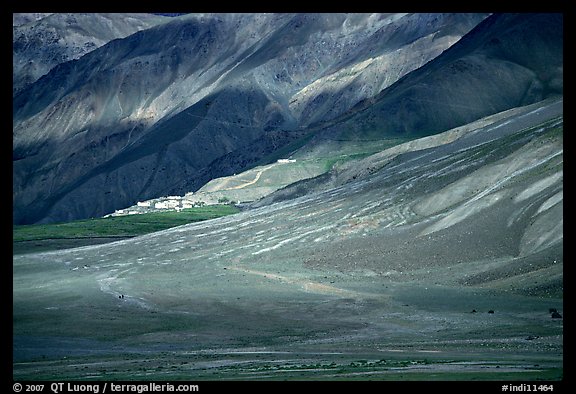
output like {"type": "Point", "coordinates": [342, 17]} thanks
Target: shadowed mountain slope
{"type": "Point", "coordinates": [168, 108]}
{"type": "Point", "coordinates": [508, 60]}
{"type": "Point", "coordinates": [42, 41]}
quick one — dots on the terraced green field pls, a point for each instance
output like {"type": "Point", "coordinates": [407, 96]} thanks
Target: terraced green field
{"type": "Point", "coordinates": [43, 237]}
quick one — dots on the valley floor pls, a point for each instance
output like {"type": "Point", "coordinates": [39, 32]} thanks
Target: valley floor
{"type": "Point", "coordinates": [406, 333]}
{"type": "Point", "coordinates": [444, 264]}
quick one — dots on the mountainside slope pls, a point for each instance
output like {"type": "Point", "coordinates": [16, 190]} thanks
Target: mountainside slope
{"type": "Point", "coordinates": [151, 115]}
{"type": "Point", "coordinates": [508, 60]}
{"type": "Point", "coordinates": [455, 251]}
{"type": "Point", "coordinates": [165, 110]}
{"type": "Point", "coordinates": [532, 45]}
{"type": "Point", "coordinates": [42, 41]}
{"type": "Point", "coordinates": [19, 19]}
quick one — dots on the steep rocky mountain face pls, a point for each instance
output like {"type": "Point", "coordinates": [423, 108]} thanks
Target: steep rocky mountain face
{"type": "Point", "coordinates": [169, 108]}
{"type": "Point", "coordinates": [19, 19]}
{"type": "Point", "coordinates": [42, 41]}
{"type": "Point", "coordinates": [163, 111]}
{"type": "Point", "coordinates": [508, 60]}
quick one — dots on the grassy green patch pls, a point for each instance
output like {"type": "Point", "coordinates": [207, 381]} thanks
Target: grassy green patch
{"type": "Point", "coordinates": [112, 227]}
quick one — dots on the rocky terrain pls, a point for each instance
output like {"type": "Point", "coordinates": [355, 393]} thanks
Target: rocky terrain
{"type": "Point", "coordinates": [165, 110]}
{"type": "Point", "coordinates": [42, 41]}
{"type": "Point", "coordinates": [442, 261]}
{"type": "Point", "coordinates": [401, 185]}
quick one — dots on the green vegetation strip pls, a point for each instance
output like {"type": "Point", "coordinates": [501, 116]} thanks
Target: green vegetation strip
{"type": "Point", "coordinates": [119, 226]}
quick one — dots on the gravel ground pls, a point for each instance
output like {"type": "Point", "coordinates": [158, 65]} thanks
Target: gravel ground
{"type": "Point", "coordinates": [443, 264]}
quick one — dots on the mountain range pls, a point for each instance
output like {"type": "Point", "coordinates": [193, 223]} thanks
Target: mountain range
{"type": "Point", "coordinates": [401, 186]}
{"type": "Point", "coordinates": [164, 110]}
{"type": "Point", "coordinates": [220, 92]}
{"type": "Point", "coordinates": [42, 41]}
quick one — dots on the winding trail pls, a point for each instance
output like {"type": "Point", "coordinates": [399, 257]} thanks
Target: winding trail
{"type": "Point", "coordinates": [307, 285]}
{"type": "Point", "coordinates": [224, 181]}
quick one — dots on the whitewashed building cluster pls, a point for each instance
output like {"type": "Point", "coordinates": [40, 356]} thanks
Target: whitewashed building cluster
{"type": "Point", "coordinates": [169, 203]}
